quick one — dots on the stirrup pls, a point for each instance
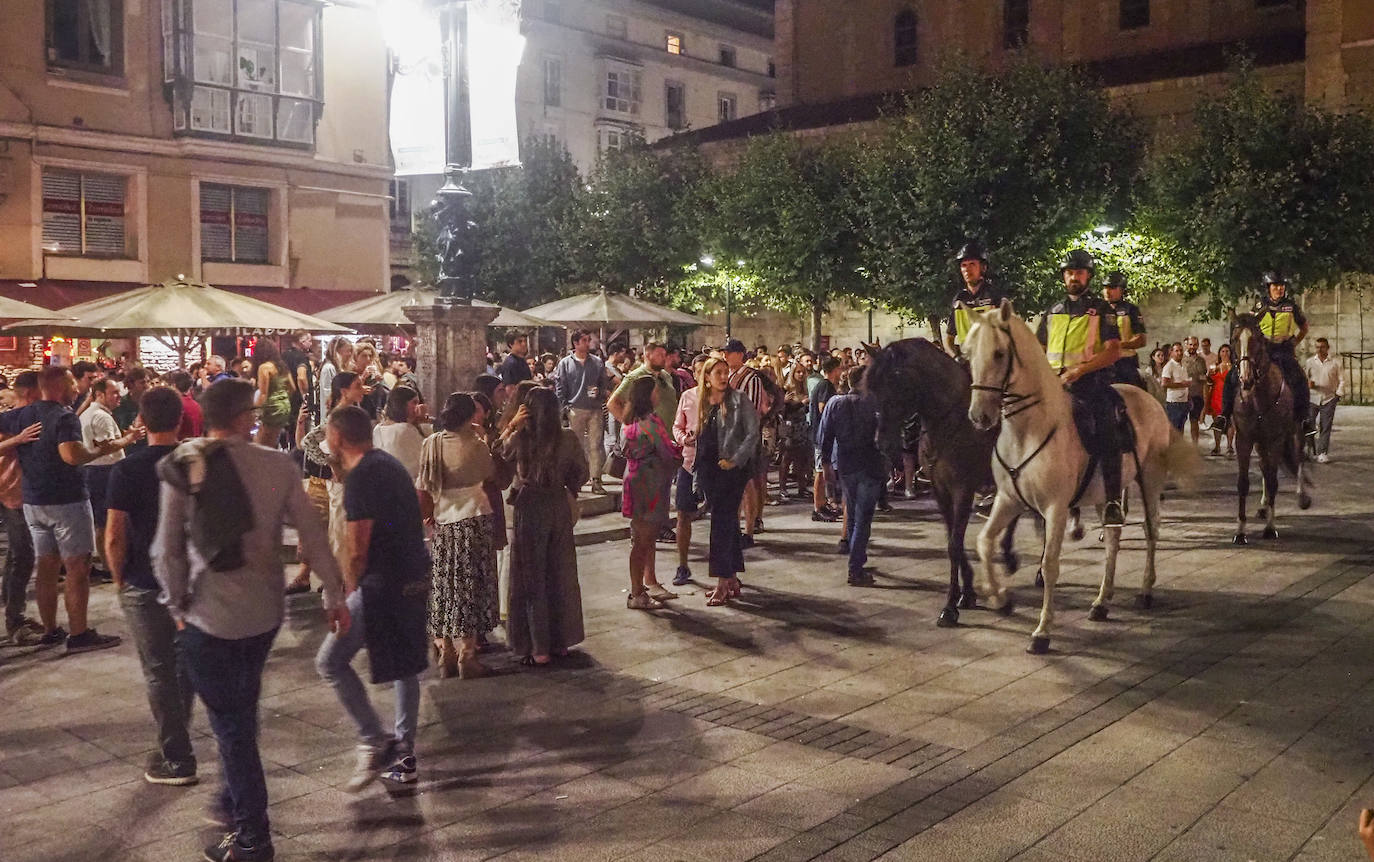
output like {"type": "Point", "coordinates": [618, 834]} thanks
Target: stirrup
{"type": "Point", "coordinates": [1113, 517]}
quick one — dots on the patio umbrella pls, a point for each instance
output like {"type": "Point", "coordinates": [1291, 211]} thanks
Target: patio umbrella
{"type": "Point", "coordinates": [14, 309]}
{"type": "Point", "coordinates": [176, 307]}
{"type": "Point", "coordinates": [387, 311]}
{"type": "Point", "coordinates": [613, 310]}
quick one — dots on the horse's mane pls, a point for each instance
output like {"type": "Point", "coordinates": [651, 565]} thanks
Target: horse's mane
{"type": "Point", "coordinates": [1248, 321]}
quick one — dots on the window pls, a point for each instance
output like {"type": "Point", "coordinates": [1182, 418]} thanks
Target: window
{"type": "Point", "coordinates": [400, 204]}
{"type": "Point", "coordinates": [673, 43]}
{"type": "Point", "coordinates": [727, 55]}
{"type": "Point", "coordinates": [1134, 14]}
{"type": "Point", "coordinates": [613, 139]}
{"type": "Point", "coordinates": [728, 107]}
{"type": "Point", "coordinates": [83, 214]}
{"type": "Point", "coordinates": [904, 39]}
{"type": "Point", "coordinates": [622, 91]}
{"type": "Point", "coordinates": [616, 26]}
{"type": "Point", "coordinates": [86, 35]}
{"type": "Point", "coordinates": [768, 100]}
{"type": "Point", "coordinates": [553, 82]}
{"type": "Point", "coordinates": [1015, 23]}
{"type": "Point", "coordinates": [233, 224]}
{"type": "Point", "coordinates": [251, 68]}
{"type": "Point", "coordinates": [675, 105]}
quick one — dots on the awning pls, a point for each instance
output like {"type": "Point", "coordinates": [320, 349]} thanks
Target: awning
{"type": "Point", "coordinates": [54, 294]}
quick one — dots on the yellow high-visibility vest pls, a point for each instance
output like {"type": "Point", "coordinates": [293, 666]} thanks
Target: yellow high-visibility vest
{"type": "Point", "coordinates": [962, 323]}
{"type": "Point", "coordinates": [1067, 344]}
{"type": "Point", "coordinates": [1278, 325]}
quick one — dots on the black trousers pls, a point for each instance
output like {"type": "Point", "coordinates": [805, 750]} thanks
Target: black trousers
{"type": "Point", "coordinates": [1095, 409]}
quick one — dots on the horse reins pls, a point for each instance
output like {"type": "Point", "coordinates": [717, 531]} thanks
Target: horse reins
{"type": "Point", "coordinates": [1012, 404]}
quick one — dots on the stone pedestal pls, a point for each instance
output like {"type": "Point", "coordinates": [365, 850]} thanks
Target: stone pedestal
{"type": "Point", "coordinates": [452, 349]}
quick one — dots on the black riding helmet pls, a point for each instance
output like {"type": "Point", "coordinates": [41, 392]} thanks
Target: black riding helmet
{"type": "Point", "coordinates": [1116, 278]}
{"type": "Point", "coordinates": [972, 250]}
{"type": "Point", "coordinates": [1273, 277]}
{"type": "Point", "coordinates": [1079, 259]}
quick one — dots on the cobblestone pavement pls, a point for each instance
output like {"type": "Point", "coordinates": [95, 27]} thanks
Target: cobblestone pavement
{"type": "Point", "coordinates": [810, 720]}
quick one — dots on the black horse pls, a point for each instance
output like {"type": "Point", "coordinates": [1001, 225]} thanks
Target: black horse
{"type": "Point", "coordinates": [915, 378]}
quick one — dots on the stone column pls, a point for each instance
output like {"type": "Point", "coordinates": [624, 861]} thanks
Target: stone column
{"type": "Point", "coordinates": [453, 347]}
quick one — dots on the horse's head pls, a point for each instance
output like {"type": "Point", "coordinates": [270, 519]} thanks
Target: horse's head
{"type": "Point", "coordinates": [911, 377]}
{"type": "Point", "coordinates": [991, 351]}
{"type": "Point", "coordinates": [1251, 349]}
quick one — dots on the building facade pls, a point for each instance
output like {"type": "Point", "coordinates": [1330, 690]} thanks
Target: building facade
{"type": "Point", "coordinates": [242, 142]}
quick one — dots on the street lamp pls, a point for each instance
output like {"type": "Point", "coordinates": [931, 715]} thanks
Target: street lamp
{"type": "Point", "coordinates": [453, 201]}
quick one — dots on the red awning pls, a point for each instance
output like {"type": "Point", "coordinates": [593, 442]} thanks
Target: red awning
{"type": "Point", "coordinates": [57, 295]}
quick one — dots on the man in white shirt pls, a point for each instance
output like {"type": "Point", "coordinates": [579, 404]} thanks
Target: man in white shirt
{"type": "Point", "coordinates": [1327, 381]}
{"type": "Point", "coordinates": [98, 425]}
{"type": "Point", "coordinates": [1176, 382]}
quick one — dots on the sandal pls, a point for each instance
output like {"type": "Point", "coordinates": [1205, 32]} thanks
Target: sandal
{"type": "Point", "coordinates": [716, 598]}
{"type": "Point", "coordinates": [659, 593]}
{"type": "Point", "coordinates": [735, 589]}
{"type": "Point", "coordinates": [531, 661]}
{"type": "Point", "coordinates": [640, 602]}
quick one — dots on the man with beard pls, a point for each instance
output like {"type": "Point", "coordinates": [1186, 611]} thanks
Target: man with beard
{"type": "Point", "coordinates": [1082, 343]}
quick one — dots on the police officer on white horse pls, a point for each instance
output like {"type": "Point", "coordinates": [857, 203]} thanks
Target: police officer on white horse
{"type": "Point", "coordinates": [1083, 344]}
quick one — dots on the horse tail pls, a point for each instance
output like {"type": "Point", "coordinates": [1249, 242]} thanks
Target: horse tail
{"type": "Point", "coordinates": [1182, 463]}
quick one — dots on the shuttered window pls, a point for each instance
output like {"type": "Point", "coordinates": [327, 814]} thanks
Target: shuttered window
{"type": "Point", "coordinates": [84, 214]}
{"type": "Point", "coordinates": [234, 224]}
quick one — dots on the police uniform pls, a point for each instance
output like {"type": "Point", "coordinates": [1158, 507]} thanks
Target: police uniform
{"type": "Point", "coordinates": [1282, 321]}
{"type": "Point", "coordinates": [961, 321]}
{"type": "Point", "coordinates": [1129, 324]}
{"type": "Point", "coordinates": [1066, 331]}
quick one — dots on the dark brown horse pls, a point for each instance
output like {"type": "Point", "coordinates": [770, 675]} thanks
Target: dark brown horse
{"type": "Point", "coordinates": [1265, 422]}
{"type": "Point", "coordinates": [915, 378]}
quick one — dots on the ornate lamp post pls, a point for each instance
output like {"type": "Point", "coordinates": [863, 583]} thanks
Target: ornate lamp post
{"type": "Point", "coordinates": [452, 203]}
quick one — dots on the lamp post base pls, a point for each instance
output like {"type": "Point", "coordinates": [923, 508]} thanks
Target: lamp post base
{"type": "Point", "coordinates": [452, 348]}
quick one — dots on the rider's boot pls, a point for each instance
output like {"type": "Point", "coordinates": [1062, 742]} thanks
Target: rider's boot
{"type": "Point", "coordinates": [1112, 514]}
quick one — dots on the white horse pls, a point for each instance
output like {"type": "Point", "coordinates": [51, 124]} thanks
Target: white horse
{"type": "Point", "coordinates": [1039, 460]}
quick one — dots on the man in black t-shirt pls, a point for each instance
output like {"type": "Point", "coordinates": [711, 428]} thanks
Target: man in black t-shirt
{"type": "Point", "coordinates": [131, 523]}
{"type": "Point", "coordinates": [58, 508]}
{"type": "Point", "coordinates": [515, 367]}
{"type": "Point", "coordinates": [831, 368]}
{"type": "Point", "coordinates": [386, 577]}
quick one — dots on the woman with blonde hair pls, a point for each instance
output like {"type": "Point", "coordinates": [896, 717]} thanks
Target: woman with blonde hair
{"type": "Point", "coordinates": [727, 444]}
{"type": "Point", "coordinates": [338, 357]}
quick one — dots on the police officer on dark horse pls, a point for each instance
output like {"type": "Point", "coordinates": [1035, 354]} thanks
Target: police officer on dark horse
{"type": "Point", "coordinates": [978, 292]}
{"type": "Point", "coordinates": [1282, 322]}
{"type": "Point", "coordinates": [1082, 342]}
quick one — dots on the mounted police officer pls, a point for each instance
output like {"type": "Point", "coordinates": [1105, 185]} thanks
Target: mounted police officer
{"type": "Point", "coordinates": [1129, 324]}
{"type": "Point", "coordinates": [1082, 343]}
{"type": "Point", "coordinates": [1284, 324]}
{"type": "Point", "coordinates": [978, 292]}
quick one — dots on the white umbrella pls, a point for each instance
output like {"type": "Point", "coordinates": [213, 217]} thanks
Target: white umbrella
{"type": "Point", "coordinates": [613, 310]}
{"type": "Point", "coordinates": [387, 311]}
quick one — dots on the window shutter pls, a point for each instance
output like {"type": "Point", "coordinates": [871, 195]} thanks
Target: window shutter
{"type": "Point", "coordinates": [104, 195]}
{"type": "Point", "coordinates": [62, 212]}
{"type": "Point", "coordinates": [216, 241]}
{"type": "Point", "coordinates": [250, 225]}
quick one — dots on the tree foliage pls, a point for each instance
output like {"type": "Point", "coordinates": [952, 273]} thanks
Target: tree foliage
{"type": "Point", "coordinates": [1027, 160]}
{"type": "Point", "coordinates": [1263, 183]}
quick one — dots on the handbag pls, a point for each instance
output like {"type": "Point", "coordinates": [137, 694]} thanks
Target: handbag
{"type": "Point", "coordinates": [616, 468]}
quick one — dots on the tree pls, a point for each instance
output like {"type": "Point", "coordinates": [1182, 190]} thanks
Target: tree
{"type": "Point", "coordinates": [1263, 183]}
{"type": "Point", "coordinates": [1026, 160]}
{"type": "Point", "coordinates": [522, 215]}
{"type": "Point", "coordinates": [634, 223]}
{"type": "Point", "coordinates": [782, 210]}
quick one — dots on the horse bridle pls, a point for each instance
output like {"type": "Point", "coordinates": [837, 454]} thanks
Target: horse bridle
{"type": "Point", "coordinates": [1012, 402]}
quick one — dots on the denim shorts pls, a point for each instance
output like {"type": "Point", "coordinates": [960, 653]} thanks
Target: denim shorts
{"type": "Point", "coordinates": [686, 498]}
{"type": "Point", "coordinates": [65, 529]}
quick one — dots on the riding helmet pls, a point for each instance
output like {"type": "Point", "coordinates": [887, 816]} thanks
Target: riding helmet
{"type": "Point", "coordinates": [972, 250]}
{"type": "Point", "coordinates": [1116, 278]}
{"type": "Point", "coordinates": [1079, 259]}
{"type": "Point", "coordinates": [1273, 276]}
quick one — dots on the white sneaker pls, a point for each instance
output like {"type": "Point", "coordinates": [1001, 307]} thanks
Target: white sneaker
{"type": "Point", "coordinates": [1323, 458]}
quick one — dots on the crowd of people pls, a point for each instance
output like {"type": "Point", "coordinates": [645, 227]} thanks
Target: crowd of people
{"type": "Point", "coordinates": [428, 533]}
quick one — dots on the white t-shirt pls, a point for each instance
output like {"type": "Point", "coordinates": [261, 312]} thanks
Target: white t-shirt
{"type": "Point", "coordinates": [402, 441]}
{"type": "Point", "coordinates": [97, 426]}
{"type": "Point", "coordinates": [1173, 373]}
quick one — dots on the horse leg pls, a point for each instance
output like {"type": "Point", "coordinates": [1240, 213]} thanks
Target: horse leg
{"type": "Point", "coordinates": [949, 614]}
{"type": "Point", "coordinates": [1004, 511]}
{"type": "Point", "coordinates": [962, 510]}
{"type": "Point", "coordinates": [1150, 489]}
{"type": "Point", "coordinates": [1269, 472]}
{"type": "Point", "coordinates": [1243, 444]}
{"type": "Point", "coordinates": [1304, 480]}
{"type": "Point", "coordinates": [1056, 521]}
{"type": "Point", "coordinates": [1098, 611]}
{"type": "Point", "coordinates": [1010, 559]}
{"type": "Point", "coordinates": [1076, 523]}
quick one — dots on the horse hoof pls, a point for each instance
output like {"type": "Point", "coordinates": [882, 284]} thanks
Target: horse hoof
{"type": "Point", "coordinates": [1077, 532]}
{"type": "Point", "coordinates": [1009, 607]}
{"type": "Point", "coordinates": [1270, 533]}
{"type": "Point", "coordinates": [1040, 579]}
{"type": "Point", "coordinates": [1239, 539]}
{"type": "Point", "coordinates": [949, 618]}
{"type": "Point", "coordinates": [1145, 601]}
{"type": "Point", "coordinates": [1039, 645]}
{"type": "Point", "coordinates": [1098, 613]}
{"type": "Point", "coordinates": [1304, 500]}
{"type": "Point", "coordinates": [968, 601]}
{"type": "Point", "coordinates": [1012, 561]}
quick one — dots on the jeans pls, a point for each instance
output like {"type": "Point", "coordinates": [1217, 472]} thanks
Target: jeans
{"type": "Point", "coordinates": [860, 498]}
{"type": "Point", "coordinates": [227, 675]}
{"type": "Point", "coordinates": [170, 693]}
{"type": "Point", "coordinates": [590, 426]}
{"type": "Point", "coordinates": [334, 663]}
{"type": "Point", "coordinates": [14, 584]}
{"type": "Point", "coordinates": [1326, 414]}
